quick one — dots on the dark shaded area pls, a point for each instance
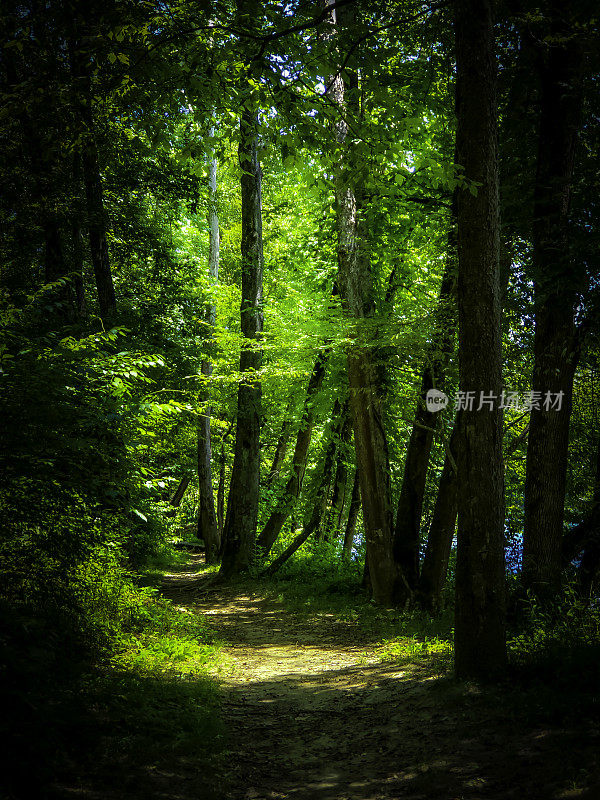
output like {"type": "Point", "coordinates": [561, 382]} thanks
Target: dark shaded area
{"type": "Point", "coordinates": [392, 730]}
{"type": "Point", "coordinates": [113, 734]}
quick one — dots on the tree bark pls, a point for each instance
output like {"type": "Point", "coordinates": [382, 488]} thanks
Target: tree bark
{"type": "Point", "coordinates": [96, 214]}
{"type": "Point", "coordinates": [293, 486]}
{"type": "Point", "coordinates": [77, 237]}
{"type": "Point", "coordinates": [333, 522]}
{"type": "Point", "coordinates": [555, 349]}
{"type": "Point", "coordinates": [208, 528]}
{"type": "Point", "coordinates": [242, 505]}
{"type": "Point", "coordinates": [280, 449]}
{"type": "Point", "coordinates": [221, 493]}
{"type": "Point", "coordinates": [407, 531]}
{"type": "Point", "coordinates": [357, 290]}
{"type": "Point", "coordinates": [441, 531]}
{"type": "Point", "coordinates": [353, 512]}
{"type": "Point", "coordinates": [480, 638]}
{"type": "Point", "coordinates": [180, 491]}
{"type": "Point", "coordinates": [35, 148]}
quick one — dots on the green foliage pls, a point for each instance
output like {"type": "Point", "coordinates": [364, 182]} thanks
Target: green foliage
{"type": "Point", "coordinates": [406, 650]}
{"type": "Point", "coordinates": [559, 640]}
{"type": "Point", "coordinates": [100, 648]}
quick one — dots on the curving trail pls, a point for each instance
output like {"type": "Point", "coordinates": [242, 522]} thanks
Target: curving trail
{"type": "Point", "coordinates": [313, 714]}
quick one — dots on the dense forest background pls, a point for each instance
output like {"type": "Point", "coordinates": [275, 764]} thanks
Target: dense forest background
{"type": "Point", "coordinates": [240, 244]}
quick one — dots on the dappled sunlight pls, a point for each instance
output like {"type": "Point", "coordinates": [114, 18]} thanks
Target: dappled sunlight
{"type": "Point", "coordinates": [314, 712]}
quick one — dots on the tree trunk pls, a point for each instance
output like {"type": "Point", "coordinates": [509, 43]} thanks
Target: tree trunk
{"type": "Point", "coordinates": [96, 215]}
{"type": "Point", "coordinates": [333, 522]}
{"type": "Point", "coordinates": [319, 501]}
{"type": "Point", "coordinates": [280, 449]}
{"type": "Point", "coordinates": [242, 505]}
{"type": "Point", "coordinates": [357, 290]}
{"type": "Point", "coordinates": [441, 531]}
{"type": "Point", "coordinates": [480, 638]}
{"type": "Point", "coordinates": [555, 349]}
{"type": "Point", "coordinates": [207, 521]}
{"type": "Point", "coordinates": [180, 491]}
{"type": "Point", "coordinates": [352, 517]}
{"type": "Point", "coordinates": [54, 265]}
{"type": "Point", "coordinates": [407, 531]}
{"type": "Point", "coordinates": [221, 493]}
{"type": "Point", "coordinates": [77, 237]}
{"type": "Point", "coordinates": [292, 489]}
{"type": "Point", "coordinates": [35, 147]}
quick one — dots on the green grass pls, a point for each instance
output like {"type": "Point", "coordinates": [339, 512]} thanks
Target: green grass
{"type": "Point", "coordinates": [317, 583]}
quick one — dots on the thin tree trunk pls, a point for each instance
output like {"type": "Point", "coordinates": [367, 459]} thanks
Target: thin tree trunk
{"type": "Point", "coordinates": [319, 501]}
{"type": "Point", "coordinates": [293, 486]}
{"type": "Point", "coordinates": [77, 237]}
{"type": "Point", "coordinates": [480, 638]}
{"type": "Point", "coordinates": [441, 531]}
{"type": "Point", "coordinates": [96, 214]}
{"type": "Point", "coordinates": [54, 265]}
{"type": "Point", "coordinates": [208, 528]}
{"type": "Point", "coordinates": [221, 493]}
{"type": "Point", "coordinates": [353, 512]}
{"type": "Point", "coordinates": [280, 448]}
{"type": "Point", "coordinates": [407, 531]}
{"type": "Point", "coordinates": [333, 522]}
{"type": "Point", "coordinates": [242, 506]}
{"type": "Point", "coordinates": [555, 348]}
{"type": "Point", "coordinates": [207, 520]}
{"type": "Point", "coordinates": [180, 491]}
{"type": "Point", "coordinates": [364, 376]}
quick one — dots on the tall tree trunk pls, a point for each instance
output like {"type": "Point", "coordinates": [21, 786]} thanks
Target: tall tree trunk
{"type": "Point", "coordinates": [221, 492]}
{"type": "Point", "coordinates": [333, 522]}
{"type": "Point", "coordinates": [555, 349]}
{"type": "Point", "coordinates": [480, 638]}
{"type": "Point", "coordinates": [280, 448]}
{"type": "Point", "coordinates": [77, 237]}
{"type": "Point", "coordinates": [407, 531]}
{"type": "Point", "coordinates": [96, 214]}
{"type": "Point", "coordinates": [357, 290]}
{"type": "Point", "coordinates": [207, 520]}
{"type": "Point", "coordinates": [353, 512]}
{"type": "Point", "coordinates": [441, 531]}
{"type": "Point", "coordinates": [37, 152]}
{"type": "Point", "coordinates": [319, 500]}
{"type": "Point", "coordinates": [242, 505]}
{"type": "Point", "coordinates": [293, 486]}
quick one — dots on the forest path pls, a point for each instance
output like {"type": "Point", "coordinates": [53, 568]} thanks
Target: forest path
{"type": "Point", "coordinates": [313, 713]}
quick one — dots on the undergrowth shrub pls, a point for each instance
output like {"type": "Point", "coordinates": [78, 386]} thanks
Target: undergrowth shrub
{"type": "Point", "coordinates": [561, 639]}
{"type": "Point", "coordinates": [102, 648]}
{"type": "Point", "coordinates": [319, 565]}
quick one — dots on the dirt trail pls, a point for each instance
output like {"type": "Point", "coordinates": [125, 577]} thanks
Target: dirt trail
{"type": "Point", "coordinates": [313, 713]}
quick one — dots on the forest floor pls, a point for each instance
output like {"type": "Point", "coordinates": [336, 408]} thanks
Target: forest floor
{"type": "Point", "coordinates": [325, 698]}
{"type": "Point", "coordinates": [312, 711]}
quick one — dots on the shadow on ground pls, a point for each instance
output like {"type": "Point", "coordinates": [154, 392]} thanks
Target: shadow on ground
{"type": "Point", "coordinates": [312, 712]}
